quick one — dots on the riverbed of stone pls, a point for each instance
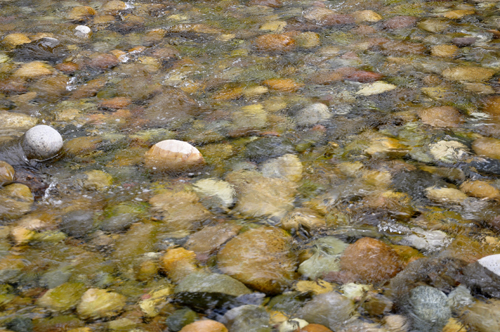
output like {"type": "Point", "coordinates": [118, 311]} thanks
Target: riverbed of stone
{"type": "Point", "coordinates": [347, 166]}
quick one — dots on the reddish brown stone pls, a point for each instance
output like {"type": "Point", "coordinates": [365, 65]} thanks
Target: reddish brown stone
{"type": "Point", "coordinates": [104, 61]}
{"type": "Point", "coordinates": [13, 86]}
{"type": "Point", "coordinates": [116, 103]}
{"type": "Point", "coordinates": [492, 105]}
{"type": "Point", "coordinates": [274, 43]}
{"type": "Point", "coordinates": [400, 22]}
{"type": "Point", "coordinates": [353, 74]}
{"type": "Point", "coordinates": [364, 30]}
{"type": "Point", "coordinates": [370, 260]}
{"type": "Point", "coordinates": [399, 48]}
{"type": "Point", "coordinates": [67, 67]}
{"type": "Point", "coordinates": [90, 89]}
{"type": "Point", "coordinates": [336, 19]}
{"type": "Point", "coordinates": [268, 3]}
{"type": "Point", "coordinates": [326, 77]}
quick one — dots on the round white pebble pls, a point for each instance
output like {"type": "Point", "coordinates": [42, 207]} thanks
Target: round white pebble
{"type": "Point", "coordinates": [42, 142]}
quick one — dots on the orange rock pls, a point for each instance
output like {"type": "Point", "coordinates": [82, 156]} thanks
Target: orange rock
{"type": "Point", "coordinates": [274, 43]}
{"type": "Point", "coordinates": [492, 105]}
{"type": "Point", "coordinates": [444, 116]}
{"type": "Point", "coordinates": [178, 263]}
{"type": "Point", "coordinates": [487, 146]}
{"type": "Point", "coordinates": [228, 93]}
{"type": "Point", "coordinates": [14, 86]}
{"type": "Point", "coordinates": [205, 325]}
{"type": "Point", "coordinates": [315, 328]}
{"type": "Point", "coordinates": [116, 103]}
{"type": "Point", "coordinates": [370, 260]}
{"type": "Point", "coordinates": [283, 84]}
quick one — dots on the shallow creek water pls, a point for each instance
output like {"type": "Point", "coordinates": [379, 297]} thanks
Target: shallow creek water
{"type": "Point", "coordinates": [351, 175]}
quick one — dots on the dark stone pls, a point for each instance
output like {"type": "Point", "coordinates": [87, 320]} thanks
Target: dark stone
{"type": "Point", "coordinates": [20, 325]}
{"type": "Point", "coordinates": [180, 318]}
{"type": "Point", "coordinates": [44, 49]}
{"type": "Point", "coordinates": [77, 223]}
{"type": "Point", "coordinates": [464, 41]}
{"type": "Point", "coordinates": [268, 147]}
{"type": "Point", "coordinates": [482, 280]}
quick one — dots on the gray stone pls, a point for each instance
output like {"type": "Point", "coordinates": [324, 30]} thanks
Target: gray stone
{"type": "Point", "coordinates": [429, 309]}
{"type": "Point", "coordinates": [484, 275]}
{"type": "Point", "coordinates": [313, 114]}
{"type": "Point", "coordinates": [247, 318]}
{"type": "Point", "coordinates": [332, 310]}
{"type": "Point", "coordinates": [42, 142]}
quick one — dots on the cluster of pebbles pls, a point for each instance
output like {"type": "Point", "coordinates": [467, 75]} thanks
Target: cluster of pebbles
{"type": "Point", "coordinates": [262, 165]}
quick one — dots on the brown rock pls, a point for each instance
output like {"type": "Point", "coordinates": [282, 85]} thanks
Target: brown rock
{"type": "Point", "coordinates": [116, 103]}
{"type": "Point", "coordinates": [444, 51]}
{"type": "Point", "coordinates": [7, 173]}
{"type": "Point", "coordinates": [362, 76]}
{"type": "Point", "coordinates": [179, 211]}
{"type": "Point", "coordinates": [13, 86]}
{"type": "Point", "coordinates": [283, 84]}
{"type": "Point", "coordinates": [370, 260]}
{"type": "Point", "coordinates": [363, 30]}
{"type": "Point", "coordinates": [14, 39]}
{"type": "Point", "coordinates": [205, 325]}
{"type": "Point", "coordinates": [480, 189]}
{"type": "Point", "coordinates": [487, 146]}
{"type": "Point", "coordinates": [274, 43]}
{"type": "Point", "coordinates": [492, 105]}
{"type": "Point", "coordinates": [260, 258]}
{"type": "Point", "coordinates": [81, 13]}
{"type": "Point", "coordinates": [81, 145]}
{"type": "Point", "coordinates": [209, 239]}
{"type": "Point", "coordinates": [399, 48]}
{"type": "Point", "coordinates": [336, 19]}
{"type": "Point", "coordinates": [113, 7]}
{"type": "Point", "coordinates": [366, 16]}
{"type": "Point", "coordinates": [33, 69]}
{"type": "Point", "coordinates": [268, 3]}
{"type": "Point", "coordinates": [90, 89]}
{"type": "Point", "coordinates": [400, 22]}
{"type": "Point", "coordinates": [173, 156]}
{"type": "Point", "coordinates": [468, 73]}
{"type": "Point", "coordinates": [67, 67]}
{"type": "Point", "coordinates": [179, 263]}
{"type": "Point", "coordinates": [315, 328]}
{"type": "Point", "coordinates": [104, 61]}
{"type": "Point", "coordinates": [326, 77]}
{"type": "Point", "coordinates": [444, 116]}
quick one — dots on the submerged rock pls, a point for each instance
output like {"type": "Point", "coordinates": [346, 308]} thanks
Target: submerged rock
{"type": "Point", "coordinates": [247, 318]}
{"type": "Point", "coordinates": [209, 290]}
{"type": "Point", "coordinates": [62, 297]}
{"type": "Point", "coordinates": [429, 309]}
{"type": "Point", "coordinates": [483, 276]}
{"type": "Point", "coordinates": [16, 199]}
{"type": "Point", "coordinates": [370, 260]}
{"type": "Point", "coordinates": [100, 303]}
{"type": "Point", "coordinates": [483, 316]}
{"type": "Point", "coordinates": [209, 239]}
{"type": "Point", "coordinates": [260, 258]}
{"type": "Point", "coordinates": [330, 309]}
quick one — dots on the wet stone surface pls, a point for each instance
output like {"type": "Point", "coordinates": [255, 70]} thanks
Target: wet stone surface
{"type": "Point", "coordinates": [263, 165]}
